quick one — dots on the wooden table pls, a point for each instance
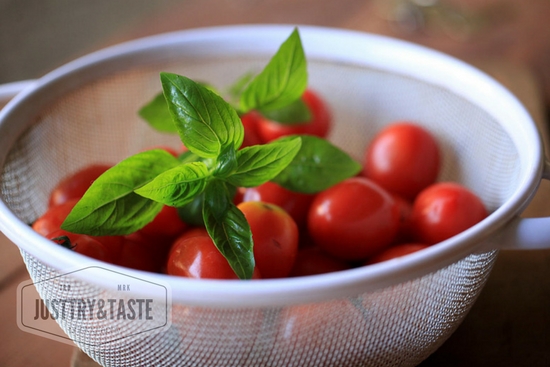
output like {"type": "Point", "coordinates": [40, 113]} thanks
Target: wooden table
{"type": "Point", "coordinates": [510, 323]}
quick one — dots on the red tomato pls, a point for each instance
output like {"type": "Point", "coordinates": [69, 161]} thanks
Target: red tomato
{"type": "Point", "coordinates": [404, 158]}
{"type": "Point", "coordinates": [275, 236]}
{"type": "Point", "coordinates": [142, 253]}
{"type": "Point", "coordinates": [75, 185]}
{"type": "Point", "coordinates": [319, 125]}
{"type": "Point", "coordinates": [353, 219]}
{"type": "Point", "coordinates": [82, 244]}
{"type": "Point", "coordinates": [443, 210]}
{"type": "Point", "coordinates": [250, 124]}
{"type": "Point", "coordinates": [399, 250]}
{"type": "Point", "coordinates": [239, 195]}
{"type": "Point", "coordinates": [312, 260]}
{"type": "Point", "coordinates": [52, 219]}
{"type": "Point", "coordinates": [167, 223]}
{"type": "Point", "coordinates": [196, 256]}
{"type": "Point", "coordinates": [294, 203]}
{"type": "Point", "coordinates": [405, 212]}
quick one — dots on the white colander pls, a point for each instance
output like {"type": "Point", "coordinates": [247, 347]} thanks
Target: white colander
{"type": "Point", "coordinates": [390, 314]}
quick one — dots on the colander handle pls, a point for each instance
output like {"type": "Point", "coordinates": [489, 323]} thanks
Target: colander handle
{"type": "Point", "coordinates": [527, 233]}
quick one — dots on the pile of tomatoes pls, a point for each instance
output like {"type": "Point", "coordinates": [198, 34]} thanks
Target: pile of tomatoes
{"type": "Point", "coordinates": [394, 207]}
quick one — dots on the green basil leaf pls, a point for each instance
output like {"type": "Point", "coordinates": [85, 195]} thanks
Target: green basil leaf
{"type": "Point", "coordinates": [177, 186]}
{"type": "Point", "coordinates": [110, 206]}
{"type": "Point", "coordinates": [228, 228]}
{"type": "Point", "coordinates": [191, 213]}
{"type": "Point", "coordinates": [188, 157]}
{"type": "Point", "coordinates": [156, 114]}
{"type": "Point", "coordinates": [205, 122]}
{"type": "Point", "coordinates": [236, 89]}
{"type": "Point", "coordinates": [293, 114]}
{"type": "Point", "coordinates": [317, 166]}
{"type": "Point", "coordinates": [281, 82]}
{"type": "Point", "coordinates": [226, 163]}
{"type": "Point", "coordinates": [260, 163]}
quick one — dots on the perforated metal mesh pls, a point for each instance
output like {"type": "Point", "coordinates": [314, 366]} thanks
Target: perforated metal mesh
{"type": "Point", "coordinates": [395, 326]}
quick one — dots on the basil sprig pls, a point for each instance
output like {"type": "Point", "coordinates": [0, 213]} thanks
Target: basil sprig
{"type": "Point", "coordinates": [203, 180]}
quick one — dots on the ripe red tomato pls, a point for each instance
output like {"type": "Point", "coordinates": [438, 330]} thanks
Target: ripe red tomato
{"type": "Point", "coordinates": [275, 236]}
{"type": "Point", "coordinates": [443, 210]}
{"type": "Point", "coordinates": [405, 212]}
{"type": "Point", "coordinates": [353, 219]}
{"type": "Point", "coordinates": [142, 252]}
{"type": "Point", "coordinates": [167, 223]}
{"type": "Point", "coordinates": [196, 256]}
{"type": "Point", "coordinates": [312, 260]}
{"type": "Point", "coordinates": [75, 185]}
{"type": "Point", "coordinates": [404, 158]}
{"type": "Point", "coordinates": [399, 250]}
{"type": "Point", "coordinates": [54, 216]}
{"type": "Point", "coordinates": [82, 244]}
{"type": "Point", "coordinates": [319, 125]}
{"type": "Point", "coordinates": [250, 124]}
{"type": "Point", "coordinates": [52, 219]}
{"type": "Point", "coordinates": [294, 203]}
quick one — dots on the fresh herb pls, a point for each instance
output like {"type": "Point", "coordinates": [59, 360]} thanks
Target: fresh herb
{"type": "Point", "coordinates": [203, 181]}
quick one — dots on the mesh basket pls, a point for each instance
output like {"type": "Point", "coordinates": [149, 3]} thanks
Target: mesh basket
{"type": "Point", "coordinates": [391, 314]}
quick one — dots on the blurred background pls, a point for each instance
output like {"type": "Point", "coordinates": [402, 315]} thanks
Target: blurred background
{"type": "Point", "coordinates": [39, 35]}
{"type": "Point", "coordinates": [509, 39]}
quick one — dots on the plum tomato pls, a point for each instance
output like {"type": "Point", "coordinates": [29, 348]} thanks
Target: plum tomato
{"type": "Point", "coordinates": [353, 219]}
{"type": "Point", "coordinates": [319, 125]}
{"type": "Point", "coordinates": [395, 251]}
{"type": "Point", "coordinates": [443, 210]}
{"type": "Point", "coordinates": [404, 158]}
{"type": "Point", "coordinates": [75, 185]}
{"type": "Point", "coordinates": [167, 223]}
{"type": "Point", "coordinates": [275, 235]}
{"type": "Point", "coordinates": [294, 203]}
{"type": "Point", "coordinates": [250, 124]}
{"type": "Point", "coordinates": [196, 256]}
{"type": "Point", "coordinates": [312, 260]}
{"type": "Point", "coordinates": [82, 244]}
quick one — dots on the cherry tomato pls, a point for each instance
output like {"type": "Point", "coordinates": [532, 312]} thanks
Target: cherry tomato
{"type": "Point", "coordinates": [167, 223]}
{"type": "Point", "coordinates": [250, 124]}
{"type": "Point", "coordinates": [54, 216]}
{"type": "Point", "coordinates": [82, 244]}
{"type": "Point", "coordinates": [196, 256]}
{"type": "Point", "coordinates": [52, 219]}
{"type": "Point", "coordinates": [294, 203]}
{"type": "Point", "coordinates": [443, 210]}
{"type": "Point", "coordinates": [75, 185]}
{"type": "Point", "coordinates": [353, 219]}
{"type": "Point", "coordinates": [399, 250]}
{"type": "Point", "coordinates": [239, 195]}
{"type": "Point", "coordinates": [319, 125]}
{"type": "Point", "coordinates": [405, 226]}
{"type": "Point", "coordinates": [275, 236]}
{"type": "Point", "coordinates": [142, 253]}
{"type": "Point", "coordinates": [404, 158]}
{"type": "Point", "coordinates": [312, 260]}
